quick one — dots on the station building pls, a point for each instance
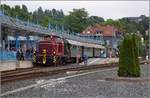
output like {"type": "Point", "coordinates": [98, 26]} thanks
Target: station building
{"type": "Point", "coordinates": [111, 37]}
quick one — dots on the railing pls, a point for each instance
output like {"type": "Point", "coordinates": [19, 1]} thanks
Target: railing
{"type": "Point", "coordinates": [7, 55]}
{"type": "Point", "coordinates": [11, 55]}
{"type": "Point", "coordinates": [43, 30]}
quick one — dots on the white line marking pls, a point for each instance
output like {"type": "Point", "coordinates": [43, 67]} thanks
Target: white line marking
{"type": "Point", "coordinates": [101, 80]}
{"type": "Point", "coordinates": [71, 72]}
{"type": "Point", "coordinates": [93, 61]}
{"type": "Point", "coordinates": [40, 81]}
{"type": "Point", "coordinates": [52, 80]}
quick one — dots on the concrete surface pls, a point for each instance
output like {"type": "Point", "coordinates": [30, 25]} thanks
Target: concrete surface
{"type": "Point", "coordinates": [12, 65]}
{"type": "Point", "coordinates": [92, 61]}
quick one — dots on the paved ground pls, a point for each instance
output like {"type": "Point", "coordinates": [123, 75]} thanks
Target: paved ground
{"type": "Point", "coordinates": [92, 61]}
{"type": "Point", "coordinates": [88, 84]}
{"type": "Point", "coordinates": [12, 65]}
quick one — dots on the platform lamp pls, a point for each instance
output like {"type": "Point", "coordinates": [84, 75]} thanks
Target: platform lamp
{"type": "Point", "coordinates": [49, 26]}
{"type": "Point", "coordinates": [3, 11]}
{"type": "Point", "coordinates": [1, 14]}
{"type": "Point", "coordinates": [17, 17]}
{"type": "Point", "coordinates": [62, 30]}
{"type": "Point", "coordinates": [29, 18]}
{"type": "Point", "coordinates": [56, 28]}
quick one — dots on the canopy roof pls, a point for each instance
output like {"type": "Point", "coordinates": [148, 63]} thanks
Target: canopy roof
{"type": "Point", "coordinates": [76, 43]}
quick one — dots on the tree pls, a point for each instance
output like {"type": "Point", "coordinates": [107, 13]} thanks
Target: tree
{"type": "Point", "coordinates": [35, 17]}
{"type": "Point", "coordinates": [18, 11]}
{"type": "Point", "coordinates": [6, 9]}
{"type": "Point", "coordinates": [145, 26]}
{"type": "Point", "coordinates": [76, 21]}
{"type": "Point", "coordinates": [24, 8]}
{"type": "Point", "coordinates": [24, 13]}
{"type": "Point", "coordinates": [128, 58]}
{"type": "Point", "coordinates": [92, 20]}
{"type": "Point", "coordinates": [45, 21]}
{"type": "Point", "coordinates": [129, 26]}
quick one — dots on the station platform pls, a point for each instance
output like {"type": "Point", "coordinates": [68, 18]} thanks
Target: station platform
{"type": "Point", "coordinates": [93, 61]}
{"type": "Point", "coordinates": [12, 65]}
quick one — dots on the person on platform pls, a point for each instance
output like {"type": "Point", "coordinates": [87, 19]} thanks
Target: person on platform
{"type": "Point", "coordinates": [21, 55]}
{"type": "Point", "coordinates": [18, 55]}
{"type": "Point", "coordinates": [85, 59]}
{"type": "Point", "coordinates": [27, 54]}
{"type": "Point", "coordinates": [78, 58]}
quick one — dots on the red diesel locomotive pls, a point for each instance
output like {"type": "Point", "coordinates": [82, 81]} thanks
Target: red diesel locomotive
{"type": "Point", "coordinates": [52, 50]}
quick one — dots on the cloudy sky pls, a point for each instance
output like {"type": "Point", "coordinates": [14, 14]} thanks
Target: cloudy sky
{"type": "Point", "coordinates": [106, 9]}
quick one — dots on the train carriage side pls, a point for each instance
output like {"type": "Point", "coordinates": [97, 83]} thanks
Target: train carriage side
{"type": "Point", "coordinates": [97, 52]}
{"type": "Point", "coordinates": [76, 51]}
{"type": "Point", "coordinates": [79, 48]}
{"type": "Point", "coordinates": [88, 51]}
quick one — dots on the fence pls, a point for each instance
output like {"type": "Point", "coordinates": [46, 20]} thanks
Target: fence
{"type": "Point", "coordinates": [7, 55]}
{"type": "Point", "coordinates": [11, 55]}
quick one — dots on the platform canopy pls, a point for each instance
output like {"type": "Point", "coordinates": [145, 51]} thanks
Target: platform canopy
{"type": "Point", "coordinates": [76, 43]}
{"type": "Point", "coordinates": [20, 38]}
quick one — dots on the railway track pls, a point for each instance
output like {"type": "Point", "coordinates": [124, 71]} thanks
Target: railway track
{"type": "Point", "coordinates": [27, 73]}
{"type": "Point", "coordinates": [17, 71]}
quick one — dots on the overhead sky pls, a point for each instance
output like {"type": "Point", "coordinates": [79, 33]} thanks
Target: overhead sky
{"type": "Point", "coordinates": [105, 9]}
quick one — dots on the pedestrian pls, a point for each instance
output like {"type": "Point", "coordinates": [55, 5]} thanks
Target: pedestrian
{"type": "Point", "coordinates": [85, 59]}
{"type": "Point", "coordinates": [78, 58]}
{"type": "Point", "coordinates": [146, 57]}
{"type": "Point", "coordinates": [18, 55]}
{"type": "Point", "coordinates": [110, 54]}
{"type": "Point", "coordinates": [21, 55]}
{"type": "Point", "coordinates": [31, 52]}
{"type": "Point", "coordinates": [27, 54]}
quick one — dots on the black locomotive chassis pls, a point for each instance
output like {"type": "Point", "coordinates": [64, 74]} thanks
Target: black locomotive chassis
{"type": "Point", "coordinates": [56, 60]}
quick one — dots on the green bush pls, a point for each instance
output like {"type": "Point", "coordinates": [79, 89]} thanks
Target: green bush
{"type": "Point", "coordinates": [128, 58]}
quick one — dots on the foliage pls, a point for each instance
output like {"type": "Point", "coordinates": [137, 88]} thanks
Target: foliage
{"type": "Point", "coordinates": [145, 26]}
{"type": "Point", "coordinates": [128, 58]}
{"type": "Point", "coordinates": [39, 16]}
{"type": "Point", "coordinates": [76, 21]}
{"type": "Point", "coordinates": [92, 20]}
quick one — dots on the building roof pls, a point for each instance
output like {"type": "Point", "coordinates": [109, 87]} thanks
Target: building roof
{"type": "Point", "coordinates": [99, 29]}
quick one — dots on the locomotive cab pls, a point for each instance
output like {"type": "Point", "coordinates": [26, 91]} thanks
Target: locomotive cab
{"type": "Point", "coordinates": [49, 50]}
